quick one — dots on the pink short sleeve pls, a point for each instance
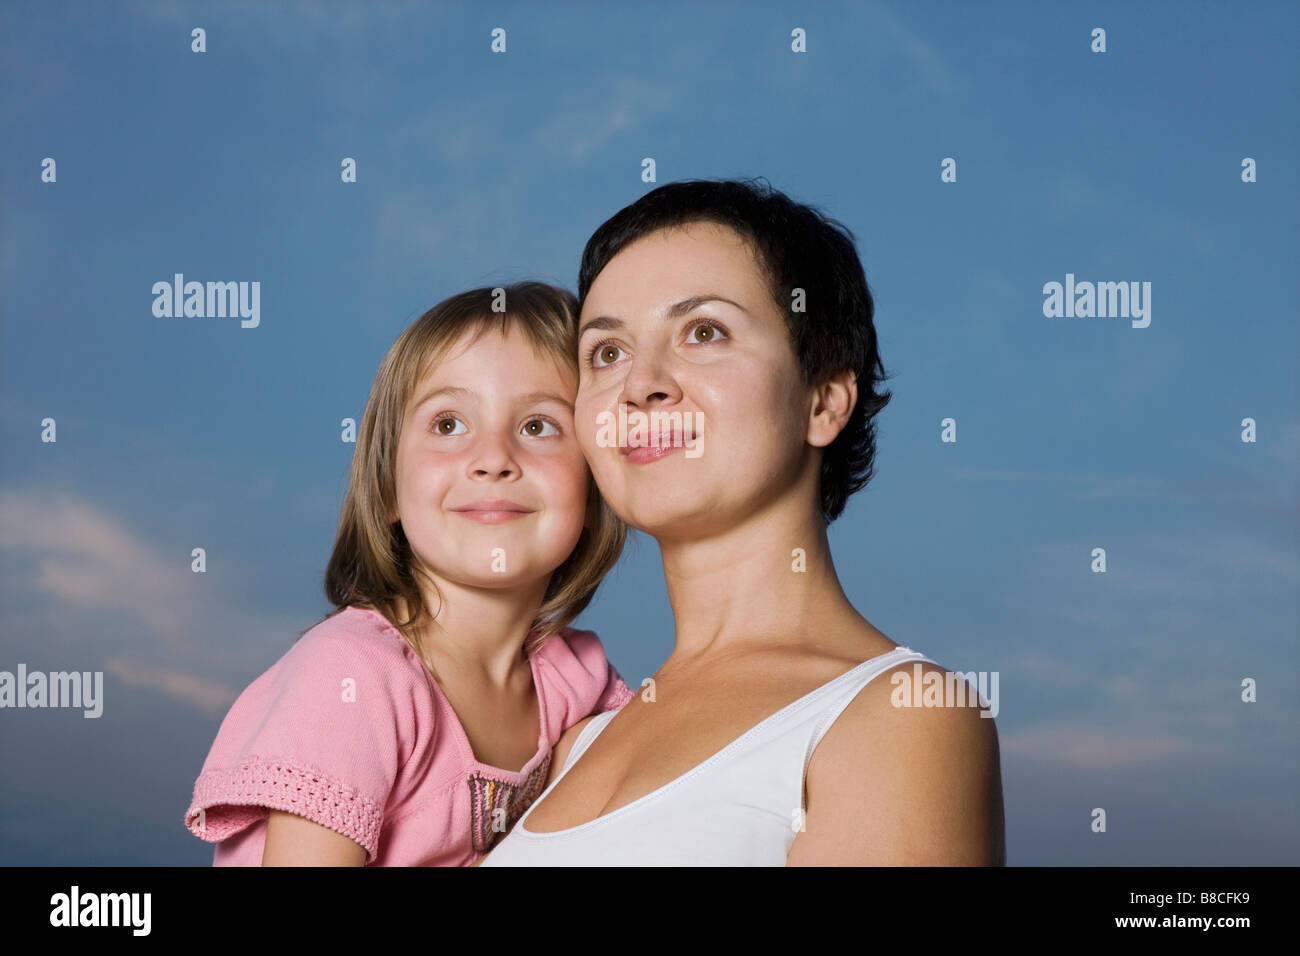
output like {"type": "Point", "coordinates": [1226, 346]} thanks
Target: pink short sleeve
{"type": "Point", "coordinates": [322, 734]}
{"type": "Point", "coordinates": [616, 693]}
{"type": "Point", "coordinates": [578, 669]}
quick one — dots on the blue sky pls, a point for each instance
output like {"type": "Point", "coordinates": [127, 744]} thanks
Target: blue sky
{"type": "Point", "coordinates": [1118, 690]}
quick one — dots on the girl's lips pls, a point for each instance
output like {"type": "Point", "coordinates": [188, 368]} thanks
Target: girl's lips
{"type": "Point", "coordinates": [493, 510]}
{"type": "Point", "coordinates": [489, 516]}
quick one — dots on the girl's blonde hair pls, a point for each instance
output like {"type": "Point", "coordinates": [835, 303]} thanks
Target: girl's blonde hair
{"type": "Point", "coordinates": [372, 564]}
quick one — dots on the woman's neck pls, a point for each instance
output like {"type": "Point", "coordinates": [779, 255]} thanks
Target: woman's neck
{"type": "Point", "coordinates": [767, 579]}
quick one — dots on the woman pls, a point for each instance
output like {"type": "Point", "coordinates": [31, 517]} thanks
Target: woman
{"type": "Point", "coordinates": [776, 731]}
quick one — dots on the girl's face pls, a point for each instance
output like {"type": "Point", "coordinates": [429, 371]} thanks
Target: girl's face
{"type": "Point", "coordinates": [657, 335]}
{"type": "Point", "coordinates": [491, 483]}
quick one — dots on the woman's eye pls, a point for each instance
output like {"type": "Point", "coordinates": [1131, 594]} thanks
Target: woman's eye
{"type": "Point", "coordinates": [604, 353]}
{"type": "Point", "coordinates": [536, 428]}
{"type": "Point", "coordinates": [699, 333]}
{"type": "Point", "coordinates": [441, 426]}
{"type": "Point", "coordinates": [702, 333]}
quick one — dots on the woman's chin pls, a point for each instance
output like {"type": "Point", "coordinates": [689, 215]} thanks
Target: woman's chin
{"type": "Point", "coordinates": [670, 521]}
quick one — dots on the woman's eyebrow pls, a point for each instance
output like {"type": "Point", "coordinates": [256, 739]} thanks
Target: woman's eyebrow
{"type": "Point", "coordinates": [600, 322]}
{"type": "Point", "coordinates": [675, 311]}
{"type": "Point", "coordinates": [695, 301]}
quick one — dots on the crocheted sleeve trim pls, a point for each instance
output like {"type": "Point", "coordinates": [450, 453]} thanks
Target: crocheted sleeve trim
{"type": "Point", "coordinates": [620, 695]}
{"type": "Point", "coordinates": [227, 801]}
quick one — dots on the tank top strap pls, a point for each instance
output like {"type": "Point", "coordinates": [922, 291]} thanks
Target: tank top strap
{"type": "Point", "coordinates": [585, 737]}
{"type": "Point", "coordinates": [849, 686]}
{"type": "Point", "coordinates": [826, 704]}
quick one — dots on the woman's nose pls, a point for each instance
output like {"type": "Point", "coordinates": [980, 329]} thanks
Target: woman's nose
{"type": "Point", "coordinates": [649, 378]}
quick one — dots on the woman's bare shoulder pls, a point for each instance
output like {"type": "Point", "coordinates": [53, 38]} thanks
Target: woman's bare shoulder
{"type": "Point", "coordinates": [912, 704]}
{"type": "Point", "coordinates": [924, 759]}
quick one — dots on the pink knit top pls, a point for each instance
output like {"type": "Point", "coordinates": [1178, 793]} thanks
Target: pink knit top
{"type": "Point", "coordinates": [350, 729]}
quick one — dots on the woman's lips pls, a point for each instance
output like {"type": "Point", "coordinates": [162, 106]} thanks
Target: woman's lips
{"type": "Point", "coordinates": [646, 453]}
{"type": "Point", "coordinates": [639, 454]}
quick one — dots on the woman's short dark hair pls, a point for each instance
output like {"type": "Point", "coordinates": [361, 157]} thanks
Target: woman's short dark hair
{"type": "Point", "coordinates": [801, 248]}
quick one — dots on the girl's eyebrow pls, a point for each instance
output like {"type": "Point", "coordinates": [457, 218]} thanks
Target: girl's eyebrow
{"type": "Point", "coordinates": [532, 398]}
{"type": "Point", "coordinates": [676, 311]}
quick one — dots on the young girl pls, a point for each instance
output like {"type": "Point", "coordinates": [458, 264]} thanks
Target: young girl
{"type": "Point", "coordinates": [414, 724]}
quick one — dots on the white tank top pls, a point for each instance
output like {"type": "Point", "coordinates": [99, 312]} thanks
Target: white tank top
{"type": "Point", "coordinates": [738, 808]}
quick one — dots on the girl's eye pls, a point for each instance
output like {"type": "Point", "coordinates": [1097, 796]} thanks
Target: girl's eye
{"type": "Point", "coordinates": [607, 352]}
{"type": "Point", "coordinates": [439, 425]}
{"type": "Point", "coordinates": [536, 428]}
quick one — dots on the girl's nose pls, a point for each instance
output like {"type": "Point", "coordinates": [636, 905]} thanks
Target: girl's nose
{"type": "Point", "coordinates": [493, 459]}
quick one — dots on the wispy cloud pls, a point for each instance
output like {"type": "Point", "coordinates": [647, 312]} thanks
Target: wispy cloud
{"type": "Point", "coordinates": [1049, 670]}
{"type": "Point", "coordinates": [1091, 748]}
{"type": "Point", "coordinates": [86, 557]}
{"type": "Point", "coordinates": [1253, 491]}
{"type": "Point", "coordinates": [1075, 196]}
{"type": "Point", "coordinates": [143, 601]}
{"type": "Point", "coordinates": [339, 20]}
{"type": "Point", "coordinates": [928, 64]}
{"type": "Point", "coordinates": [579, 127]}
{"type": "Point", "coordinates": [1184, 565]}
{"type": "Point", "coordinates": [1086, 485]}
{"type": "Point", "coordinates": [209, 696]}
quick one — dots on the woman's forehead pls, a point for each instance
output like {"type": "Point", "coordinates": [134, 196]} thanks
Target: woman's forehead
{"type": "Point", "coordinates": [671, 265]}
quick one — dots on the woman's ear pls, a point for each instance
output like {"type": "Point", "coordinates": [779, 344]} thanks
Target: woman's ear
{"type": "Point", "coordinates": [832, 404]}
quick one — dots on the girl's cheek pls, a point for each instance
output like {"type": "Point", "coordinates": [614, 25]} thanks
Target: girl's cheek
{"type": "Point", "coordinates": [566, 476]}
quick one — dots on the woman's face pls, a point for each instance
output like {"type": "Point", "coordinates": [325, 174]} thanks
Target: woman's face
{"type": "Point", "coordinates": [492, 422]}
{"type": "Point", "coordinates": [657, 336]}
